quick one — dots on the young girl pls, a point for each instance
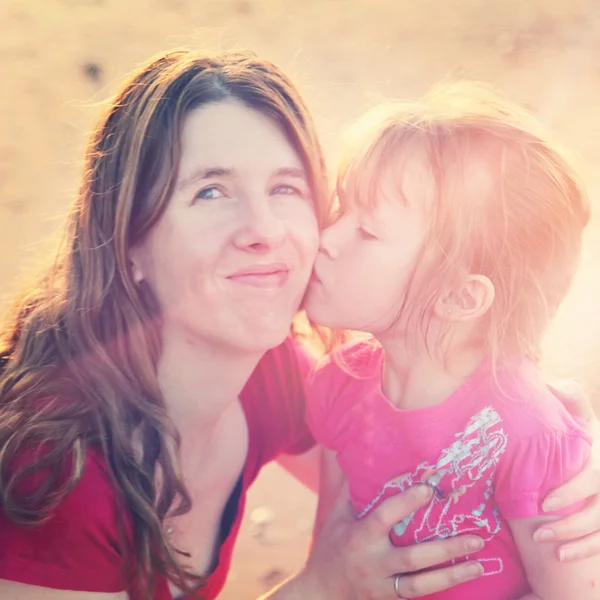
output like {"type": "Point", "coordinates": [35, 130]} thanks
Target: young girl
{"type": "Point", "coordinates": [458, 235]}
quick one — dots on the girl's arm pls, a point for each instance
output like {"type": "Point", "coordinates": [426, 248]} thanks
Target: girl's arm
{"type": "Point", "coordinates": [330, 487]}
{"type": "Point", "coordinates": [304, 467]}
{"type": "Point", "coordinates": [549, 578]}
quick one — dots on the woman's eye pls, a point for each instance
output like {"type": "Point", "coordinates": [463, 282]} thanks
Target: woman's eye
{"type": "Point", "coordinates": [286, 190]}
{"type": "Point", "coordinates": [209, 193]}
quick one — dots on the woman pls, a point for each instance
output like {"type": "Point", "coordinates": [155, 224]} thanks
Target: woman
{"type": "Point", "coordinates": [149, 376]}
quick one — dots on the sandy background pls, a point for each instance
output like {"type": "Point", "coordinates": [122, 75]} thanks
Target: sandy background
{"type": "Point", "coordinates": [59, 59]}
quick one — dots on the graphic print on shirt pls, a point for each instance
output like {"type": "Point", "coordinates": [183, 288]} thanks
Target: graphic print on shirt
{"type": "Point", "coordinates": [462, 480]}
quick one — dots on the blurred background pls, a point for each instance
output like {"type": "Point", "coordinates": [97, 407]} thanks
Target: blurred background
{"type": "Point", "coordinates": [59, 59]}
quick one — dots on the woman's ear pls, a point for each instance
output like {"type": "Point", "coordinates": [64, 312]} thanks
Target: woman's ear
{"type": "Point", "coordinates": [135, 266]}
{"type": "Point", "coordinates": [469, 300]}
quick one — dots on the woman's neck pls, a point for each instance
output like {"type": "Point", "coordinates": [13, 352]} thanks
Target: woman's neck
{"type": "Point", "coordinates": [200, 380]}
{"type": "Point", "coordinates": [413, 379]}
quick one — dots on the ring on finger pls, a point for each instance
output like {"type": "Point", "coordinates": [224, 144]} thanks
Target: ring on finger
{"type": "Point", "coordinates": [397, 579]}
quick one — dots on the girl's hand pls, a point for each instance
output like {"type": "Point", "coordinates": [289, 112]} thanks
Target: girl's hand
{"type": "Point", "coordinates": [581, 530]}
{"type": "Point", "coordinates": [355, 559]}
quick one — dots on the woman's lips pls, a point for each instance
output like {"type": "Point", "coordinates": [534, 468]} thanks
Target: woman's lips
{"type": "Point", "coordinates": [265, 276]}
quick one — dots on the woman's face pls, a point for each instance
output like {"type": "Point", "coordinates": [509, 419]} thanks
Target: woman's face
{"type": "Point", "coordinates": [230, 258]}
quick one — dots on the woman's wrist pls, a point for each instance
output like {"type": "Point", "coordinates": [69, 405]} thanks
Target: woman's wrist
{"type": "Point", "coordinates": [303, 586]}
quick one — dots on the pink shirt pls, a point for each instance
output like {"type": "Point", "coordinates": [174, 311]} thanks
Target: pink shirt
{"type": "Point", "coordinates": [492, 451]}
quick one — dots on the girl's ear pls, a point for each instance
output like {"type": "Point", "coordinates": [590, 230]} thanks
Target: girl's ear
{"type": "Point", "coordinates": [470, 300]}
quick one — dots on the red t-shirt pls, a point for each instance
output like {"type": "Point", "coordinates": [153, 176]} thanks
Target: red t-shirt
{"type": "Point", "coordinates": [79, 547]}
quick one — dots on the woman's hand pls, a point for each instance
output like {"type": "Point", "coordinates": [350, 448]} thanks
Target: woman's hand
{"type": "Point", "coordinates": [581, 530]}
{"type": "Point", "coordinates": [355, 559]}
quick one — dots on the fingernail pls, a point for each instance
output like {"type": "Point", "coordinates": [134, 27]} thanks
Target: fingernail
{"type": "Point", "coordinates": [552, 504]}
{"type": "Point", "coordinates": [544, 535]}
{"type": "Point", "coordinates": [472, 570]}
{"type": "Point", "coordinates": [424, 492]}
{"type": "Point", "coordinates": [474, 544]}
{"type": "Point", "coordinates": [566, 554]}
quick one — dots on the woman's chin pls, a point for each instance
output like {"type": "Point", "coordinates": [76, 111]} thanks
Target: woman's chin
{"type": "Point", "coordinates": [318, 313]}
{"type": "Point", "coordinates": [261, 336]}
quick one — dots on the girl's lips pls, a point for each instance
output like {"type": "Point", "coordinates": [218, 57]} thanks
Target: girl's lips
{"type": "Point", "coordinates": [314, 278]}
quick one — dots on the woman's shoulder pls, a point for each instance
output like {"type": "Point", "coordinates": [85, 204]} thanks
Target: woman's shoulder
{"type": "Point", "coordinates": [282, 373]}
{"type": "Point", "coordinates": [79, 545]}
{"type": "Point", "coordinates": [274, 400]}
{"type": "Point", "coordinates": [89, 499]}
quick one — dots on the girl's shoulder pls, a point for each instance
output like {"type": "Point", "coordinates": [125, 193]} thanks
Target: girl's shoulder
{"type": "Point", "coordinates": [523, 429]}
{"type": "Point", "coordinates": [344, 381]}
{"type": "Point", "coordinates": [527, 405]}
{"type": "Point", "coordinates": [356, 360]}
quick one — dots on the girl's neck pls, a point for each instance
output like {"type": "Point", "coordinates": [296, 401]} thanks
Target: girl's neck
{"type": "Point", "coordinates": [200, 380]}
{"type": "Point", "coordinates": [413, 379]}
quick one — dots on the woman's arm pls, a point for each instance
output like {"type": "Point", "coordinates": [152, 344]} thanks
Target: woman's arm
{"type": "Point", "coordinates": [11, 590]}
{"type": "Point", "coordinates": [576, 536]}
{"type": "Point", "coordinates": [354, 559]}
{"type": "Point", "coordinates": [550, 579]}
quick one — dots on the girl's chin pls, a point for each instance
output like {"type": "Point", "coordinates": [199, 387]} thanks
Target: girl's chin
{"type": "Point", "coordinates": [324, 320]}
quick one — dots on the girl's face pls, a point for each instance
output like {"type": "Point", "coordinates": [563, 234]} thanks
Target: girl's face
{"type": "Point", "coordinates": [368, 256]}
{"type": "Point", "coordinates": [230, 258]}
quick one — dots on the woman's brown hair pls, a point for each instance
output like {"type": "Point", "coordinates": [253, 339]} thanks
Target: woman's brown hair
{"type": "Point", "coordinates": [79, 352]}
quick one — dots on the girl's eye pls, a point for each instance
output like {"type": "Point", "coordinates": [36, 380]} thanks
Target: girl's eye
{"type": "Point", "coordinates": [286, 190]}
{"type": "Point", "coordinates": [209, 193]}
{"type": "Point", "coordinates": [366, 235]}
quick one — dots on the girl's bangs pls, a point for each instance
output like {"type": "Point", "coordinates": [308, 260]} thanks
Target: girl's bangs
{"type": "Point", "coordinates": [359, 178]}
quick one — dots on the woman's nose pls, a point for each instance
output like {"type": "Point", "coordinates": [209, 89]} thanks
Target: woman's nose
{"type": "Point", "coordinates": [262, 228]}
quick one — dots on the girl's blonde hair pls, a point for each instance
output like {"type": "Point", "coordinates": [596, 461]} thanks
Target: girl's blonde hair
{"type": "Point", "coordinates": [505, 203]}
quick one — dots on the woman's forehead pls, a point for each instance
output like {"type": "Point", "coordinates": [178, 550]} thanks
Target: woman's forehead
{"type": "Point", "coordinates": [233, 136]}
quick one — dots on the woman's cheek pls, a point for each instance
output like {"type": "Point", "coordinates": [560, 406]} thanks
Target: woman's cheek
{"type": "Point", "coordinates": [306, 228]}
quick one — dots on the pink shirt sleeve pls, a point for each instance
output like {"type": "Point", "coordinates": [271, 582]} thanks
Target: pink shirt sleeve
{"type": "Point", "coordinates": [338, 388]}
{"type": "Point", "coordinates": [320, 398]}
{"type": "Point", "coordinates": [538, 464]}
{"type": "Point", "coordinates": [333, 392]}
